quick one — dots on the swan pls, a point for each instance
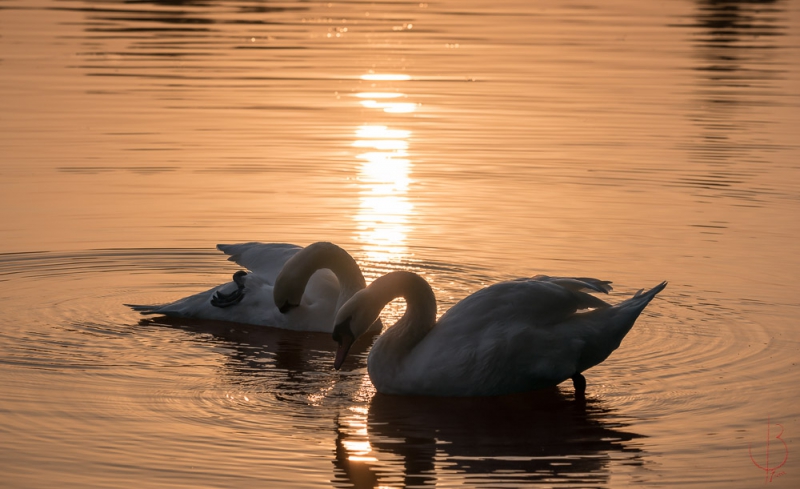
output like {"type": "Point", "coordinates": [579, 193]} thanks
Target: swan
{"type": "Point", "coordinates": [287, 287]}
{"type": "Point", "coordinates": [510, 337]}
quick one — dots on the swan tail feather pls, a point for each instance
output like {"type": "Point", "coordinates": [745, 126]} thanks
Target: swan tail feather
{"type": "Point", "coordinates": [648, 296]}
{"type": "Point", "coordinates": [614, 323]}
{"type": "Point", "coordinates": [145, 309]}
{"type": "Point", "coordinates": [636, 304]}
{"type": "Point", "coordinates": [180, 308]}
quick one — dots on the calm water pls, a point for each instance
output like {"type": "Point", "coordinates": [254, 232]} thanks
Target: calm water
{"type": "Point", "coordinates": [470, 141]}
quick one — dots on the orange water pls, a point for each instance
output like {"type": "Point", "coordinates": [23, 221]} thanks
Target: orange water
{"type": "Point", "coordinates": [471, 141]}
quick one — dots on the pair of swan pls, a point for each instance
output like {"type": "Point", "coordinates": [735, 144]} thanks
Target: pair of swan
{"type": "Point", "coordinates": [511, 337]}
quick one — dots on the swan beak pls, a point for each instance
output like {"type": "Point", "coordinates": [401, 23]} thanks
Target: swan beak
{"type": "Point", "coordinates": [345, 338]}
{"type": "Point", "coordinates": [286, 307]}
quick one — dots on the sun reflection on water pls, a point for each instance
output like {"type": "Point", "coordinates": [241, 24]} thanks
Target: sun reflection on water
{"type": "Point", "coordinates": [385, 77]}
{"type": "Point", "coordinates": [390, 107]}
{"type": "Point", "coordinates": [358, 448]}
{"type": "Point", "coordinates": [384, 176]}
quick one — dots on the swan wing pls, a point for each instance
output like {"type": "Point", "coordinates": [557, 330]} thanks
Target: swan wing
{"type": "Point", "coordinates": [577, 284]}
{"type": "Point", "coordinates": [495, 350]}
{"type": "Point", "coordinates": [538, 302]}
{"type": "Point", "coordinates": [264, 259]}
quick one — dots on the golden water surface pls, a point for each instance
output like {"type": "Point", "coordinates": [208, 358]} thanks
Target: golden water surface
{"type": "Point", "coordinates": [471, 141]}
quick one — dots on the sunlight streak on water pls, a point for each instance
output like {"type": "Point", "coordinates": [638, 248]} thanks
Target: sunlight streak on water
{"type": "Point", "coordinates": [384, 177]}
{"type": "Point", "coordinates": [379, 95]}
{"type": "Point", "coordinates": [385, 77]}
{"type": "Point", "coordinates": [390, 107]}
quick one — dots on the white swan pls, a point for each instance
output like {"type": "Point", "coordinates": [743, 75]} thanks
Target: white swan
{"type": "Point", "coordinates": [510, 337]}
{"type": "Point", "coordinates": [307, 284]}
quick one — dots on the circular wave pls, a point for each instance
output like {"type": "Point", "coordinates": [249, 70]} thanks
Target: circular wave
{"type": "Point", "coordinates": [84, 356]}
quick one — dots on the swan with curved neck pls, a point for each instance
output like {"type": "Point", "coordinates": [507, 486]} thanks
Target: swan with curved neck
{"type": "Point", "coordinates": [292, 283]}
{"type": "Point", "coordinates": [511, 337]}
{"type": "Point", "coordinates": [287, 287]}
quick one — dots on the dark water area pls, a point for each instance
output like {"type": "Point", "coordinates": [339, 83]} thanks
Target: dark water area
{"type": "Point", "coordinates": [471, 142]}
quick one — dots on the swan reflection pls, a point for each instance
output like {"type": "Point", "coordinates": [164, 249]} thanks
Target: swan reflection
{"type": "Point", "coordinates": [535, 437]}
{"type": "Point", "coordinates": [383, 441]}
{"type": "Point", "coordinates": [292, 366]}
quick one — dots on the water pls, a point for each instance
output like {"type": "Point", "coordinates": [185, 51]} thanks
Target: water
{"type": "Point", "coordinates": [469, 141]}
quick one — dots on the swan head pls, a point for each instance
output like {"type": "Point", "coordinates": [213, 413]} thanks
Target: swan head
{"type": "Point", "coordinates": [343, 335]}
{"type": "Point", "coordinates": [286, 294]}
{"type": "Point", "coordinates": [292, 279]}
{"type": "Point", "coordinates": [354, 318]}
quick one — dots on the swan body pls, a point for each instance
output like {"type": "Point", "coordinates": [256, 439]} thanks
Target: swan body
{"type": "Point", "coordinates": [511, 337]}
{"type": "Point", "coordinates": [287, 287]}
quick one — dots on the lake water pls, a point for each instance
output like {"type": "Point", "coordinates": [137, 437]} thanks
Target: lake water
{"type": "Point", "coordinates": [471, 141]}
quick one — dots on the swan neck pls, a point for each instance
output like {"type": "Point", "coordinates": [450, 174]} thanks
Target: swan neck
{"type": "Point", "coordinates": [348, 273]}
{"type": "Point", "coordinates": [420, 315]}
